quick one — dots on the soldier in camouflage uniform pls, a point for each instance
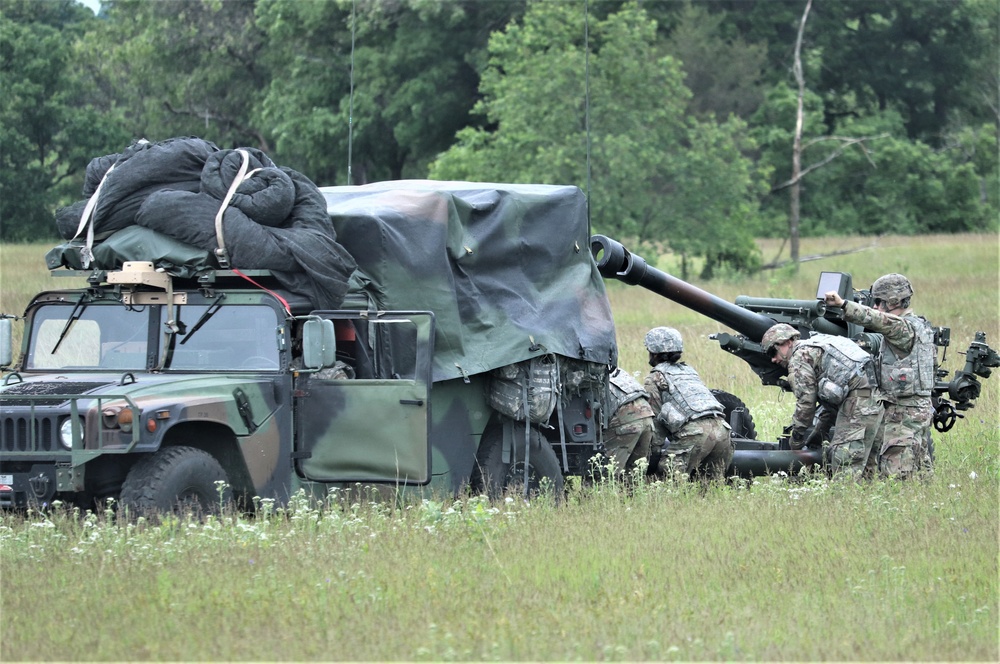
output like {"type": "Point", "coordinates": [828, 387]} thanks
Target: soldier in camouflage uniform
{"type": "Point", "coordinates": [690, 425]}
{"type": "Point", "coordinates": [836, 373]}
{"type": "Point", "coordinates": [630, 430]}
{"type": "Point", "coordinates": [905, 363]}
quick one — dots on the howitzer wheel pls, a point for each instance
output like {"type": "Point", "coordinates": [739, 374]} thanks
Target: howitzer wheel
{"type": "Point", "coordinates": [177, 480]}
{"type": "Point", "coordinates": [495, 478]}
{"type": "Point", "coordinates": [742, 424]}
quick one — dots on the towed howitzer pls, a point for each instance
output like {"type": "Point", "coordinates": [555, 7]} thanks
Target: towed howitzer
{"type": "Point", "coordinates": [750, 317]}
{"type": "Point", "coordinates": [750, 457]}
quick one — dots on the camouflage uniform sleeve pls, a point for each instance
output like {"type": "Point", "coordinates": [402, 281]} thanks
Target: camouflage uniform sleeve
{"type": "Point", "coordinates": [899, 332]}
{"type": "Point", "coordinates": [655, 382]}
{"type": "Point", "coordinates": [803, 375]}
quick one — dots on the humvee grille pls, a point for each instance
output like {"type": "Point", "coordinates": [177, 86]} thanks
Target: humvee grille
{"type": "Point", "coordinates": [15, 434]}
{"type": "Point", "coordinates": [23, 431]}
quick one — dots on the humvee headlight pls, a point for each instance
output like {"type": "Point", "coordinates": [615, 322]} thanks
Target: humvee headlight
{"type": "Point", "coordinates": [66, 433]}
{"type": "Point", "coordinates": [117, 418]}
{"type": "Point", "coordinates": [125, 420]}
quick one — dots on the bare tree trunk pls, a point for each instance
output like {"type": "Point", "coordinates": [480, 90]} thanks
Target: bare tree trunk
{"type": "Point", "coordinates": [793, 212]}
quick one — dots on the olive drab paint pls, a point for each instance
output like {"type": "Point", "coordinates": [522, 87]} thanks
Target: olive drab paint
{"type": "Point", "coordinates": [455, 281]}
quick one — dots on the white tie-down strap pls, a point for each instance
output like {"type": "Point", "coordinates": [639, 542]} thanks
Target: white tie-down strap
{"type": "Point", "coordinates": [221, 255]}
{"type": "Point", "coordinates": [86, 221]}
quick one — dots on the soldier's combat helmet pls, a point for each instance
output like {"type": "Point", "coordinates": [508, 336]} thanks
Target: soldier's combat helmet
{"type": "Point", "coordinates": [893, 289]}
{"type": "Point", "coordinates": [664, 340]}
{"type": "Point", "coordinates": [777, 334]}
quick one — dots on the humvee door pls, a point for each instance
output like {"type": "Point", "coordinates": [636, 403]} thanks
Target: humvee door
{"type": "Point", "coordinates": [371, 426]}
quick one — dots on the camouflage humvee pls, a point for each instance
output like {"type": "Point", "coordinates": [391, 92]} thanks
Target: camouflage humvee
{"type": "Point", "coordinates": [472, 349]}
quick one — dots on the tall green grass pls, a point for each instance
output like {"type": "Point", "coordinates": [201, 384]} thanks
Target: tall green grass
{"type": "Point", "coordinates": [782, 569]}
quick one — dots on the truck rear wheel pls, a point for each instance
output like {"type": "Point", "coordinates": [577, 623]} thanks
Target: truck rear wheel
{"type": "Point", "coordinates": [179, 479]}
{"type": "Point", "coordinates": [743, 424]}
{"type": "Point", "coordinates": [495, 478]}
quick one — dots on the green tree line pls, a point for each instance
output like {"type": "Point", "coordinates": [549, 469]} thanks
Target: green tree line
{"type": "Point", "coordinates": [677, 118]}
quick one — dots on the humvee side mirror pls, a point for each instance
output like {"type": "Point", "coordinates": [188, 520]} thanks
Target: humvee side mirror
{"type": "Point", "coordinates": [6, 343]}
{"type": "Point", "coordinates": [319, 344]}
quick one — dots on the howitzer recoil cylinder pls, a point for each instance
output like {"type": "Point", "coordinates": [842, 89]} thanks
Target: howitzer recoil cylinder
{"type": "Point", "coordinates": [615, 261]}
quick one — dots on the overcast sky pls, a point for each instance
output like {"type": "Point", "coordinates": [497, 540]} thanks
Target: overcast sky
{"type": "Point", "coordinates": [93, 4]}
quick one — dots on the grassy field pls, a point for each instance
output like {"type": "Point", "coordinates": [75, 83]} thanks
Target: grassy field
{"type": "Point", "coordinates": [780, 570]}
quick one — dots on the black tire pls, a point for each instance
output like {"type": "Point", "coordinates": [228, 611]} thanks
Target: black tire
{"type": "Point", "coordinates": [743, 424]}
{"type": "Point", "coordinates": [177, 480]}
{"type": "Point", "coordinates": [496, 479]}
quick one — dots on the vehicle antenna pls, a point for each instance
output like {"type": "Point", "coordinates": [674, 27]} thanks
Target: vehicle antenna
{"type": "Point", "coordinates": [586, 102]}
{"type": "Point", "coordinates": [350, 112]}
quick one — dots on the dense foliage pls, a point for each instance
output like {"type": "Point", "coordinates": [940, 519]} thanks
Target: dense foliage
{"type": "Point", "coordinates": [677, 118]}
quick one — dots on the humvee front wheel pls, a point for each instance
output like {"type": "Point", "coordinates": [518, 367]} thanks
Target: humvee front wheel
{"type": "Point", "coordinates": [496, 478]}
{"type": "Point", "coordinates": [179, 479]}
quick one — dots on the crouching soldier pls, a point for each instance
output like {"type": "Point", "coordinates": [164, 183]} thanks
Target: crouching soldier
{"type": "Point", "coordinates": [839, 375]}
{"type": "Point", "coordinates": [630, 429]}
{"type": "Point", "coordinates": [690, 426]}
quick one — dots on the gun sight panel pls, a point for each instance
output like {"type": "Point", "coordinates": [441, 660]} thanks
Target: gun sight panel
{"type": "Point", "coordinates": [835, 281]}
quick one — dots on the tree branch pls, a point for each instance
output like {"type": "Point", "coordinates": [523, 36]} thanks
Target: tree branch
{"type": "Point", "coordinates": [845, 144]}
{"type": "Point", "coordinates": [262, 143]}
{"type": "Point", "coordinates": [774, 265]}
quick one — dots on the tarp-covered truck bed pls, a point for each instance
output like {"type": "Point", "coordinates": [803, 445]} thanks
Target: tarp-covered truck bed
{"type": "Point", "coordinates": [506, 268]}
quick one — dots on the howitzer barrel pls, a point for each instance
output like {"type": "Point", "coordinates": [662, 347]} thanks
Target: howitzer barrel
{"type": "Point", "coordinates": [615, 261]}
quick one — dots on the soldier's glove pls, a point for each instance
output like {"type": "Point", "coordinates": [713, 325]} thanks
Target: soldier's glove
{"type": "Point", "coordinates": [798, 440]}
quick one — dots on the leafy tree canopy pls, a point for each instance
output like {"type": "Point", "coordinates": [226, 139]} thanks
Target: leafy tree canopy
{"type": "Point", "coordinates": [48, 129]}
{"type": "Point", "coordinates": [382, 86]}
{"type": "Point", "coordinates": [657, 172]}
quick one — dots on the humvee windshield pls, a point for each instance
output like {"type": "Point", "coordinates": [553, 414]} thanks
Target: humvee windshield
{"type": "Point", "coordinates": [111, 337]}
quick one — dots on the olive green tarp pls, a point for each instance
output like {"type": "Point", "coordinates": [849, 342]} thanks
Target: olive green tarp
{"type": "Point", "coordinates": [506, 268]}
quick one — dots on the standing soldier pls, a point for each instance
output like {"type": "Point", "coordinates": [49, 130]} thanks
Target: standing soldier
{"type": "Point", "coordinates": [839, 375]}
{"type": "Point", "coordinates": [690, 425]}
{"type": "Point", "coordinates": [906, 361]}
{"type": "Point", "coordinates": [630, 430]}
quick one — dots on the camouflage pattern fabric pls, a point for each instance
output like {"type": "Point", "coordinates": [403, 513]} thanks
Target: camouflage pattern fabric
{"type": "Point", "coordinates": [701, 448]}
{"type": "Point", "coordinates": [528, 389]}
{"type": "Point", "coordinates": [682, 396]}
{"type": "Point", "coordinates": [852, 452]}
{"type": "Point", "coordinates": [777, 334]}
{"type": "Point", "coordinates": [859, 416]}
{"type": "Point", "coordinates": [893, 288]}
{"type": "Point", "coordinates": [804, 374]}
{"type": "Point", "coordinates": [664, 340]}
{"type": "Point", "coordinates": [629, 434]}
{"type": "Point", "coordinates": [506, 268]}
{"type": "Point", "coordinates": [902, 445]}
{"type": "Point", "coordinates": [339, 371]}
